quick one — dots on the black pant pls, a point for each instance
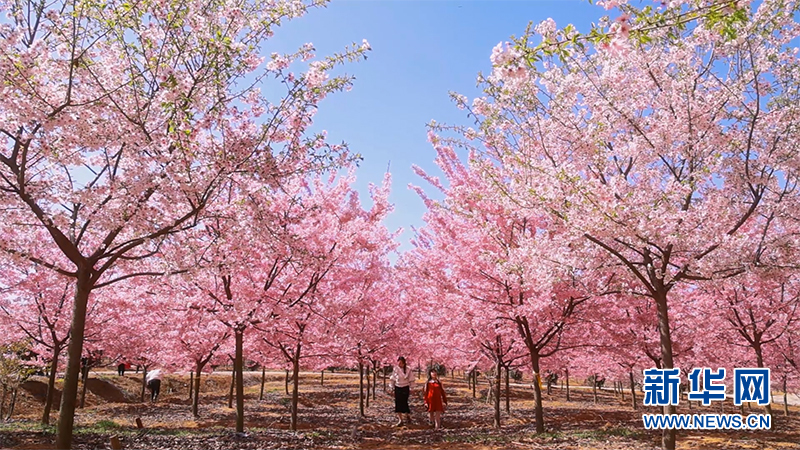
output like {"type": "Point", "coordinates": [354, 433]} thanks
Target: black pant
{"type": "Point", "coordinates": [401, 400]}
{"type": "Point", "coordinates": [155, 389]}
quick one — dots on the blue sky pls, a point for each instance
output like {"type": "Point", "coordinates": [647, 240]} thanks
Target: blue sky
{"type": "Point", "coordinates": [421, 50]}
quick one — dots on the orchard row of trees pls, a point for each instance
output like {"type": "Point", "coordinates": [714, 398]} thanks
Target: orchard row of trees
{"type": "Point", "coordinates": [625, 199]}
{"type": "Point", "coordinates": [163, 198]}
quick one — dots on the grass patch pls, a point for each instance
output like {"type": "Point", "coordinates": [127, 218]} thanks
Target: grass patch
{"type": "Point", "coordinates": [107, 425]}
{"type": "Point", "coordinates": [12, 427]}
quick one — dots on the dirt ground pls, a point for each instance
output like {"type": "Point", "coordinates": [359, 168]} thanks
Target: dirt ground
{"type": "Point", "coordinates": [329, 419]}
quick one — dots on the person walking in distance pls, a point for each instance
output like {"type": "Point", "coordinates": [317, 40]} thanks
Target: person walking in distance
{"type": "Point", "coordinates": [435, 398]}
{"type": "Point", "coordinates": [401, 380]}
{"type": "Point", "coordinates": [154, 384]}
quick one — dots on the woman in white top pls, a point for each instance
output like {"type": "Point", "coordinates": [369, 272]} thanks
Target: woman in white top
{"type": "Point", "coordinates": [154, 384]}
{"type": "Point", "coordinates": [401, 380]}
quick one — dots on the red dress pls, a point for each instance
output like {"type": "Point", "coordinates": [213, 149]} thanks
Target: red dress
{"type": "Point", "coordinates": [434, 396]}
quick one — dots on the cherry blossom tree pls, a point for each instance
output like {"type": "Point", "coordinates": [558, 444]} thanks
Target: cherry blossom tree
{"type": "Point", "coordinates": [758, 309]}
{"type": "Point", "coordinates": [281, 262]}
{"type": "Point", "coordinates": [343, 246]}
{"type": "Point", "coordinates": [37, 305]}
{"type": "Point", "coordinates": [674, 155]}
{"type": "Point", "coordinates": [500, 258]}
{"type": "Point", "coordinates": [122, 121]}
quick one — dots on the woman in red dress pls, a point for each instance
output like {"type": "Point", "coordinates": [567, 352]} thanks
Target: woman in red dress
{"type": "Point", "coordinates": [435, 399]}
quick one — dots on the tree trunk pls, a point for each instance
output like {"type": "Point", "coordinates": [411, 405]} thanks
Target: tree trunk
{"type": "Point", "coordinates": [384, 379]}
{"type": "Point", "coordinates": [322, 377]}
{"type": "Point", "coordinates": [760, 363]}
{"type": "Point", "coordinates": [668, 436]}
{"type": "Point", "coordinates": [51, 386]}
{"type": "Point", "coordinates": [474, 383]}
{"type": "Point", "coordinates": [508, 391]}
{"type": "Point", "coordinates": [144, 382]}
{"type": "Point", "coordinates": [295, 386]}
{"type": "Point", "coordinates": [13, 403]}
{"type": "Point", "coordinates": [785, 400]}
{"type": "Point", "coordinates": [361, 389]}
{"type": "Point", "coordinates": [537, 394]}
{"type": "Point", "coordinates": [366, 369]}
{"type": "Point", "coordinates": [263, 379]}
{"type": "Point", "coordinates": [238, 367]}
{"type": "Point", "coordinates": [286, 382]}
{"type": "Point", "coordinates": [233, 386]}
{"type": "Point", "coordinates": [374, 380]}
{"type": "Point", "coordinates": [85, 382]}
{"type": "Point", "coordinates": [633, 390]}
{"type": "Point", "coordinates": [594, 388]}
{"type": "Point", "coordinates": [196, 388]}
{"type": "Point", "coordinates": [3, 400]}
{"type": "Point", "coordinates": [66, 414]}
{"type": "Point", "coordinates": [566, 380]}
{"type": "Point", "coordinates": [497, 381]}
{"type": "Point", "coordinates": [191, 384]}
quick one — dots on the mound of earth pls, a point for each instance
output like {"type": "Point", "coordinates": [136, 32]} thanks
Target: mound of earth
{"type": "Point", "coordinates": [108, 391]}
{"type": "Point", "coordinates": [38, 391]}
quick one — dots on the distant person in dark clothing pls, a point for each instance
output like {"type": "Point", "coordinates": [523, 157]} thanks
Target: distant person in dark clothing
{"type": "Point", "coordinates": [121, 369]}
{"type": "Point", "coordinates": [84, 369]}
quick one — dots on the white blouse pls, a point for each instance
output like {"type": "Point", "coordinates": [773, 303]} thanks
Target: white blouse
{"type": "Point", "coordinates": [400, 379]}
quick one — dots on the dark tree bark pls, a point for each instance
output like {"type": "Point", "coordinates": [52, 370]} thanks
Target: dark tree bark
{"type": "Point", "coordinates": [361, 388]}
{"type": "Point", "coordinates": [238, 368]}
{"type": "Point", "coordinates": [668, 436]}
{"type": "Point", "coordinates": [232, 387]}
{"type": "Point", "coordinates": [785, 399]}
{"type": "Point", "coordinates": [263, 380]}
{"type": "Point", "coordinates": [85, 378]}
{"type": "Point", "coordinates": [12, 403]}
{"type": "Point", "coordinates": [508, 391]}
{"type": "Point", "coordinates": [196, 387]}
{"type": "Point", "coordinates": [474, 375]}
{"type": "Point", "coordinates": [66, 415]}
{"type": "Point", "coordinates": [144, 382]}
{"type": "Point", "coordinates": [51, 386]}
{"type": "Point", "coordinates": [374, 380]}
{"type": "Point", "coordinates": [497, 381]}
{"type": "Point", "coordinates": [295, 386]}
